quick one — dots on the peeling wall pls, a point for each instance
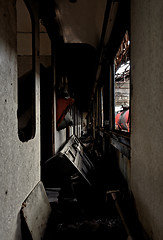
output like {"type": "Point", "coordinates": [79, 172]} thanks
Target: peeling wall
{"type": "Point", "coordinates": [147, 113]}
{"type": "Point", "coordinates": [19, 162]}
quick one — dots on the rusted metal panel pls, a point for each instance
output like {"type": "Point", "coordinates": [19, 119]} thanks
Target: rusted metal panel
{"type": "Point", "coordinates": [36, 211]}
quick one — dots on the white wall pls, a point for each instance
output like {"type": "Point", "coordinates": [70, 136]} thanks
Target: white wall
{"type": "Point", "coordinates": [19, 162]}
{"type": "Point", "coordinates": [147, 113]}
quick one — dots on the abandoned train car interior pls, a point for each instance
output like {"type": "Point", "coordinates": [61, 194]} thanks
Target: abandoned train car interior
{"type": "Point", "coordinates": [81, 135]}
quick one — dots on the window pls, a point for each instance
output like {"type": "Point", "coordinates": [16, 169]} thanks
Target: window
{"type": "Point", "coordinates": [26, 78]}
{"type": "Point", "coordinates": [100, 109]}
{"type": "Point", "coordinates": [122, 85]}
{"type": "Point", "coordinates": [102, 106]}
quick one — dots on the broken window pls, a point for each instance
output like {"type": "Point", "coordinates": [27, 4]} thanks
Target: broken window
{"type": "Point", "coordinates": [122, 85]}
{"type": "Point", "coordinates": [26, 78]}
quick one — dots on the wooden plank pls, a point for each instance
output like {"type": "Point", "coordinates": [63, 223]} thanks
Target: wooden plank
{"type": "Point", "coordinates": [36, 211]}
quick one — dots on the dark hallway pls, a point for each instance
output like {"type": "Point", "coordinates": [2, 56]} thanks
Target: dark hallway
{"type": "Point", "coordinates": [100, 208]}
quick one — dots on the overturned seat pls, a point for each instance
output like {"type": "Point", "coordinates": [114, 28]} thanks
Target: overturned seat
{"type": "Point", "coordinates": [69, 160]}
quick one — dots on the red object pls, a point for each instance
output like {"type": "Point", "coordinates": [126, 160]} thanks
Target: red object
{"type": "Point", "coordinates": [63, 105]}
{"type": "Point", "coordinates": [122, 120]}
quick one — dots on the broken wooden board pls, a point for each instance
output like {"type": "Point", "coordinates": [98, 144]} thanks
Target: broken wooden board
{"type": "Point", "coordinates": [36, 211]}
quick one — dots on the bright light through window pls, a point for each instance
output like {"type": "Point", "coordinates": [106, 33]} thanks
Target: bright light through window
{"type": "Point", "coordinates": [122, 85]}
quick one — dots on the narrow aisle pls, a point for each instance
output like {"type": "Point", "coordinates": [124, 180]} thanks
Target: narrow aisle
{"type": "Point", "coordinates": [102, 210]}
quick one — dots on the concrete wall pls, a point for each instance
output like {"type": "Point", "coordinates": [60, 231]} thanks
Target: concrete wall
{"type": "Point", "coordinates": [147, 113]}
{"type": "Point", "coordinates": [19, 162]}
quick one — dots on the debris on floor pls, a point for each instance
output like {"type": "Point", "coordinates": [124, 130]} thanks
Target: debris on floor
{"type": "Point", "coordinates": [83, 204]}
{"type": "Point", "coordinates": [69, 219]}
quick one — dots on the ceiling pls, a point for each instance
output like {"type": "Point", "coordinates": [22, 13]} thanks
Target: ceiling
{"type": "Point", "coordinates": [80, 31]}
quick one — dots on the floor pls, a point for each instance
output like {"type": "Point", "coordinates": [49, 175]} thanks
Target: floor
{"type": "Point", "coordinates": [102, 210]}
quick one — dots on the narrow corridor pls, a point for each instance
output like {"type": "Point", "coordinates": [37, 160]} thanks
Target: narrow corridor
{"type": "Point", "coordinates": [102, 209]}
